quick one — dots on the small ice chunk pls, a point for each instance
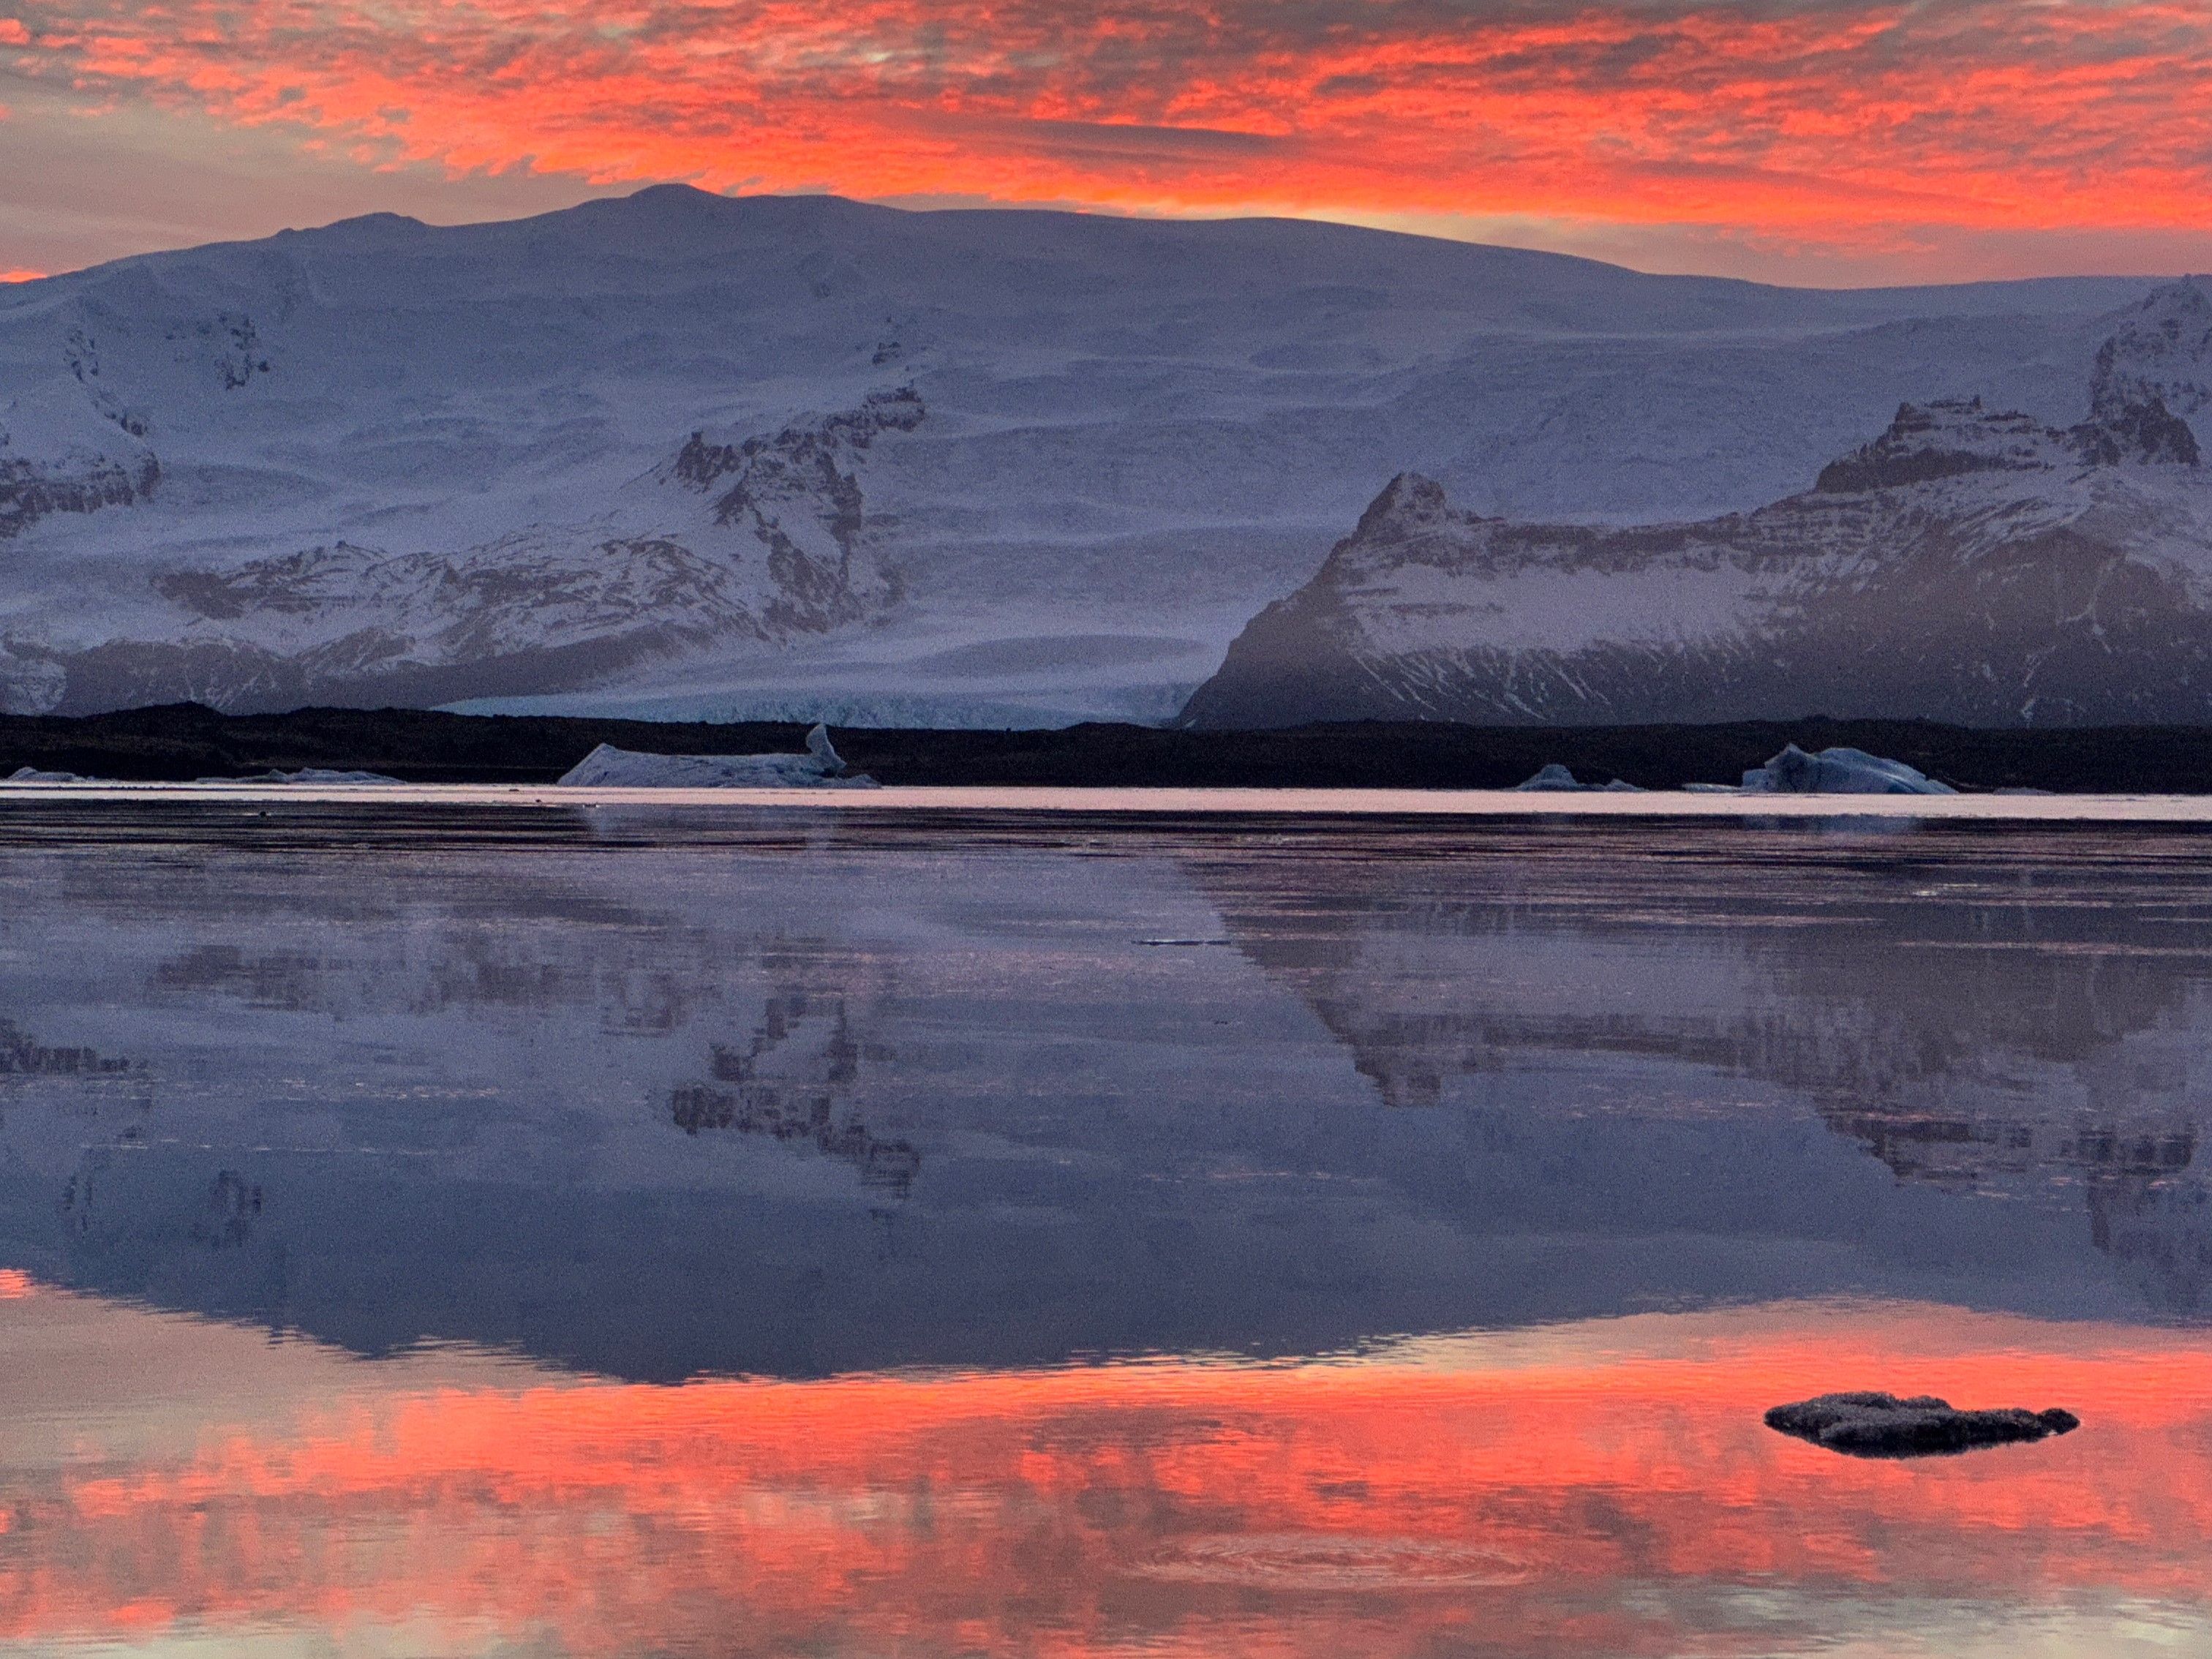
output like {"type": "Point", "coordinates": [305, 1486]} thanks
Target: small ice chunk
{"type": "Point", "coordinates": [609, 767]}
{"type": "Point", "coordinates": [1838, 772]}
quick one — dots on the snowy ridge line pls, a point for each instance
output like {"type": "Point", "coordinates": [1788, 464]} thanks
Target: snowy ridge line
{"type": "Point", "coordinates": [695, 456]}
{"type": "Point", "coordinates": [1163, 802]}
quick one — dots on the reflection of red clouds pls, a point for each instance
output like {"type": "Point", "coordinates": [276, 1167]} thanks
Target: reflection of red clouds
{"type": "Point", "coordinates": [1836, 120]}
{"type": "Point", "coordinates": [1061, 1512]}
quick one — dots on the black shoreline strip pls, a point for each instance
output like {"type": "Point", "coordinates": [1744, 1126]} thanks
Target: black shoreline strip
{"type": "Point", "coordinates": [183, 741]}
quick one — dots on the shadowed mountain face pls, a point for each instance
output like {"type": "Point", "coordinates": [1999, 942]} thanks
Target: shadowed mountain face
{"type": "Point", "coordinates": [1968, 565]}
{"type": "Point", "coordinates": [814, 1095]}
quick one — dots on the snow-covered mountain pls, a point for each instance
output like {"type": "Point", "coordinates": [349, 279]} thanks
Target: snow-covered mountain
{"type": "Point", "coordinates": [684, 454]}
{"type": "Point", "coordinates": [1966, 565]}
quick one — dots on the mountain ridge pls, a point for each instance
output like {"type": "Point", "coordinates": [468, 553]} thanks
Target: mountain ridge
{"type": "Point", "coordinates": [1968, 565]}
{"type": "Point", "coordinates": [1123, 430]}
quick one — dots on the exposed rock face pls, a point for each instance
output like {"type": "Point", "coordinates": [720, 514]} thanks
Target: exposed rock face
{"type": "Point", "coordinates": [2144, 431]}
{"type": "Point", "coordinates": [1954, 438]}
{"type": "Point", "coordinates": [765, 539]}
{"type": "Point", "coordinates": [1883, 1425]}
{"type": "Point", "coordinates": [30, 490]}
{"type": "Point", "coordinates": [797, 494]}
{"type": "Point", "coordinates": [2162, 351]}
{"type": "Point", "coordinates": [1968, 565]}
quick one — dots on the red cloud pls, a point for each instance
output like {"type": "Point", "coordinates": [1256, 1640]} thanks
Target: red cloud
{"type": "Point", "coordinates": [1844, 122]}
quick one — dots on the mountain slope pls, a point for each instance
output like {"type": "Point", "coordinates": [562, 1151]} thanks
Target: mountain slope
{"type": "Point", "coordinates": [1966, 566]}
{"type": "Point", "coordinates": [678, 454]}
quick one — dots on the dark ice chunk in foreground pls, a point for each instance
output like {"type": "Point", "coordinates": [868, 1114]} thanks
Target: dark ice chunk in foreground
{"type": "Point", "coordinates": [1882, 1426]}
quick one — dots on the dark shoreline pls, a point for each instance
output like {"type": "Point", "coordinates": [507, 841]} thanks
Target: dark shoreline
{"type": "Point", "coordinates": [185, 740]}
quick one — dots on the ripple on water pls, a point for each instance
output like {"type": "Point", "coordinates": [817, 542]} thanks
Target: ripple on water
{"type": "Point", "coordinates": [1331, 1562]}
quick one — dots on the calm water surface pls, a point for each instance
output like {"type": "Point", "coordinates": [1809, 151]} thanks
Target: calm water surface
{"type": "Point", "coordinates": [431, 1232]}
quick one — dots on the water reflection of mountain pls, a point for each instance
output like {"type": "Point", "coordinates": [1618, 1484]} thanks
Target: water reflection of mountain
{"type": "Point", "coordinates": [844, 1099]}
{"type": "Point", "coordinates": [794, 1078]}
{"type": "Point", "coordinates": [1996, 1014]}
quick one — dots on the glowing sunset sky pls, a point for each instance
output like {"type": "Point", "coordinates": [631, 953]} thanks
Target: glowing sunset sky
{"type": "Point", "coordinates": [1805, 140]}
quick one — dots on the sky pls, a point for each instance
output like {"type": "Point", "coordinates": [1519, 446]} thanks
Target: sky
{"type": "Point", "coordinates": [1818, 142]}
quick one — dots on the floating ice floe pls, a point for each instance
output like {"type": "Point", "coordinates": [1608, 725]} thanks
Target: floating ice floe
{"type": "Point", "coordinates": [1838, 772]}
{"type": "Point", "coordinates": [821, 767]}
{"type": "Point", "coordinates": [1555, 778]}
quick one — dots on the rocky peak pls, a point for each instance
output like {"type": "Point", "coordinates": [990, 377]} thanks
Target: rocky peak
{"type": "Point", "coordinates": [1946, 439]}
{"type": "Point", "coordinates": [1409, 504]}
{"type": "Point", "coordinates": [2161, 349]}
{"type": "Point", "coordinates": [2145, 432]}
{"type": "Point", "coordinates": [1958, 436]}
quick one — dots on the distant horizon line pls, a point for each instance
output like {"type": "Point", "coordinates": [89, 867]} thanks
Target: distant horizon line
{"type": "Point", "coordinates": [23, 275]}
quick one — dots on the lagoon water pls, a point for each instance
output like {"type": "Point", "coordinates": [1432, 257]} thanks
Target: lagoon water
{"type": "Point", "coordinates": [436, 1228]}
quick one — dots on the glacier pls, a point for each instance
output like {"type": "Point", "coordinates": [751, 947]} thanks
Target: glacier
{"type": "Point", "coordinates": [683, 456]}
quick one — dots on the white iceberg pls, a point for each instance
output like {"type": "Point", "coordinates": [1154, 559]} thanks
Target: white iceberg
{"type": "Point", "coordinates": [32, 774]}
{"type": "Point", "coordinates": [1838, 772]}
{"type": "Point", "coordinates": [311, 774]}
{"type": "Point", "coordinates": [821, 767]}
{"type": "Point", "coordinates": [1555, 777]}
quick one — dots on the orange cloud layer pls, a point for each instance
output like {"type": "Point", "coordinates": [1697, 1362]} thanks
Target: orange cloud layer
{"type": "Point", "coordinates": [1841, 119]}
{"type": "Point", "coordinates": [1591, 1491]}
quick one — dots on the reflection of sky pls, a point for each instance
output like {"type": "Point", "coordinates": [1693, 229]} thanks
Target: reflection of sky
{"type": "Point", "coordinates": [1846, 140]}
{"type": "Point", "coordinates": [721, 1208]}
{"type": "Point", "coordinates": [1601, 1487]}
